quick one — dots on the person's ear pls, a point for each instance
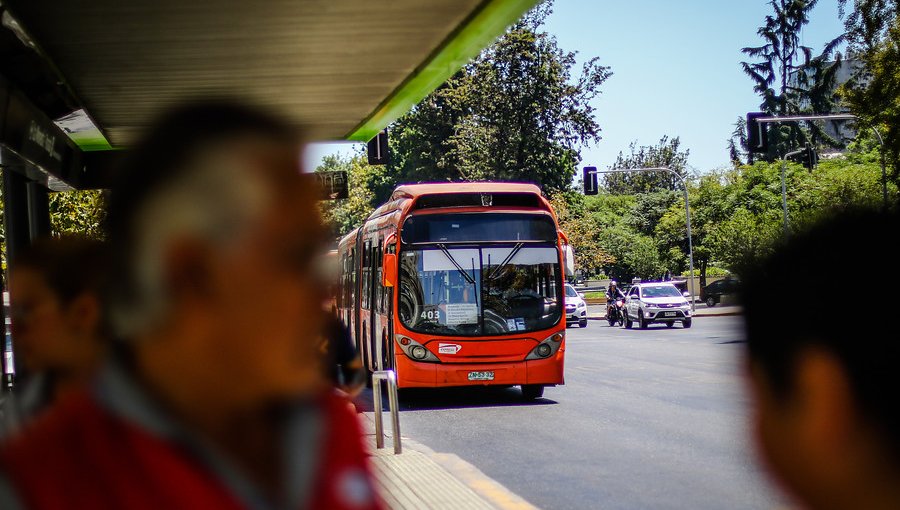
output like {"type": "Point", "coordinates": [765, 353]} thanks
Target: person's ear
{"type": "Point", "coordinates": [827, 410]}
{"type": "Point", "coordinates": [84, 314]}
{"type": "Point", "coordinates": [188, 270]}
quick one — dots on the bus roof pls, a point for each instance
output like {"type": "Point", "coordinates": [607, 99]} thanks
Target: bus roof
{"type": "Point", "coordinates": [440, 188]}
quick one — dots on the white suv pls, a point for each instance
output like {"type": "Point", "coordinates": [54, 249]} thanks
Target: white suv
{"type": "Point", "coordinates": [647, 303]}
{"type": "Point", "coordinates": [576, 308]}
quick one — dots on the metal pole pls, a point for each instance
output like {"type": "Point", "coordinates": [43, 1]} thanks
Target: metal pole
{"type": "Point", "coordinates": [784, 197]}
{"type": "Point", "coordinates": [390, 377]}
{"type": "Point", "coordinates": [883, 170]}
{"type": "Point", "coordinates": [687, 213]}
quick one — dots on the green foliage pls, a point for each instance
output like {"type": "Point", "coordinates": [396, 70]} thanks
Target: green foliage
{"type": "Point", "coordinates": [71, 212]}
{"type": "Point", "coordinates": [516, 113]}
{"type": "Point", "coordinates": [581, 230]}
{"type": "Point", "coordinates": [78, 212]}
{"type": "Point", "coordinates": [789, 79]}
{"type": "Point", "coordinates": [874, 92]}
{"type": "Point", "coordinates": [744, 238]}
{"type": "Point", "coordinates": [366, 182]}
{"type": "Point", "coordinates": [666, 153]}
{"type": "Point", "coordinates": [736, 214]}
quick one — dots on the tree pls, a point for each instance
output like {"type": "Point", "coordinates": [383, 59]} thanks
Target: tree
{"type": "Point", "coordinates": [744, 239]}
{"type": "Point", "coordinates": [365, 183]}
{"type": "Point", "coordinates": [873, 93]}
{"type": "Point", "coordinates": [78, 212]}
{"type": "Point", "coordinates": [582, 230]}
{"type": "Point", "coordinates": [666, 153]}
{"type": "Point", "coordinates": [789, 79]}
{"type": "Point", "coordinates": [516, 113]}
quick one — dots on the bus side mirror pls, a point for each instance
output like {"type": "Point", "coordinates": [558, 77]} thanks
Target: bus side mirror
{"type": "Point", "coordinates": [389, 270]}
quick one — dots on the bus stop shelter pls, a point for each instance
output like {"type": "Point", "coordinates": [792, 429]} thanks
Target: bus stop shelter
{"type": "Point", "coordinates": [79, 80]}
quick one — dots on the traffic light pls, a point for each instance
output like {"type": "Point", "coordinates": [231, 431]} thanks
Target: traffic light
{"type": "Point", "coordinates": [806, 156]}
{"type": "Point", "coordinates": [757, 136]}
{"type": "Point", "coordinates": [810, 157]}
{"type": "Point", "coordinates": [377, 149]}
{"type": "Point", "coordinates": [590, 180]}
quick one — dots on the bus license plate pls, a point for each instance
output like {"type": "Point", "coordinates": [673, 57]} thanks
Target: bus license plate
{"type": "Point", "coordinates": [481, 376]}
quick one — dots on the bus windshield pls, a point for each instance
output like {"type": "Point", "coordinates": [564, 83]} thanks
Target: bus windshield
{"type": "Point", "coordinates": [475, 291]}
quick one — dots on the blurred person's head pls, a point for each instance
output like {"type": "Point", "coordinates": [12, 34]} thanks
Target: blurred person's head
{"type": "Point", "coordinates": [215, 233]}
{"type": "Point", "coordinates": [55, 306]}
{"type": "Point", "coordinates": [822, 369]}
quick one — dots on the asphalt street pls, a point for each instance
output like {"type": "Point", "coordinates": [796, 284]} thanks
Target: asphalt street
{"type": "Point", "coordinates": [647, 419]}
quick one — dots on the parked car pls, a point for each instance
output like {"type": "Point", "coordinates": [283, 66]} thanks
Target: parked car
{"type": "Point", "coordinates": [720, 290]}
{"type": "Point", "coordinates": [656, 302]}
{"type": "Point", "coordinates": [576, 308]}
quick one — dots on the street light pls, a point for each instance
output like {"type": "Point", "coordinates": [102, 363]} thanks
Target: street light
{"type": "Point", "coordinates": [591, 171]}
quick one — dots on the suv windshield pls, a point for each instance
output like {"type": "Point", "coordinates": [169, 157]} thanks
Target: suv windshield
{"type": "Point", "coordinates": [571, 292]}
{"type": "Point", "coordinates": [657, 291]}
{"type": "Point", "coordinates": [479, 290]}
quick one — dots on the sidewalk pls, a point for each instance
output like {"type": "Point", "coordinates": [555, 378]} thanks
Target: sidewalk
{"type": "Point", "coordinates": [421, 479]}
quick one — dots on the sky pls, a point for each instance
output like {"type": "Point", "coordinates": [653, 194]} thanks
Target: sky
{"type": "Point", "coordinates": [676, 71]}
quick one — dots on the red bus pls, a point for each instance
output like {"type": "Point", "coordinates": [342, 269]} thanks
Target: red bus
{"type": "Point", "coordinates": [457, 284]}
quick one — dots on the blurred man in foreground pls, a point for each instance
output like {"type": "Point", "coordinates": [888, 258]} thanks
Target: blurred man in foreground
{"type": "Point", "coordinates": [823, 369]}
{"type": "Point", "coordinates": [215, 398]}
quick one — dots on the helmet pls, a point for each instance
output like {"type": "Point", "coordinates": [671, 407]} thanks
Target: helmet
{"type": "Point", "coordinates": [612, 283]}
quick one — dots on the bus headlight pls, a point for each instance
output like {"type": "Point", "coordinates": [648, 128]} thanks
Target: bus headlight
{"type": "Point", "coordinates": [414, 350]}
{"type": "Point", "coordinates": [547, 348]}
{"type": "Point", "coordinates": [418, 352]}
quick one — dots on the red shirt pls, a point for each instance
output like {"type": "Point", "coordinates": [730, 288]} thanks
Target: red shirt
{"type": "Point", "coordinates": [82, 456]}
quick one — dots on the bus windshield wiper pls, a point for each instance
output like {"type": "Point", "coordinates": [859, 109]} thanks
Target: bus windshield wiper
{"type": "Point", "coordinates": [459, 268]}
{"type": "Point", "coordinates": [506, 261]}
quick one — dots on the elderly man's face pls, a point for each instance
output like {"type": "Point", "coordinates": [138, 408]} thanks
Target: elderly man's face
{"type": "Point", "coordinates": [267, 290]}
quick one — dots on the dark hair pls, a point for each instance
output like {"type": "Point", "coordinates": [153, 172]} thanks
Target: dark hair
{"type": "Point", "coordinates": [176, 138]}
{"type": "Point", "coordinates": [811, 310]}
{"type": "Point", "coordinates": [69, 265]}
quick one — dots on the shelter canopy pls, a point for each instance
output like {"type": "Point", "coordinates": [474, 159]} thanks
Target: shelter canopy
{"type": "Point", "coordinates": [342, 69]}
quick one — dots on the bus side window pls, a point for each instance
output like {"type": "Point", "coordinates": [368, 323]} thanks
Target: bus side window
{"type": "Point", "coordinates": [378, 256]}
{"type": "Point", "coordinates": [366, 274]}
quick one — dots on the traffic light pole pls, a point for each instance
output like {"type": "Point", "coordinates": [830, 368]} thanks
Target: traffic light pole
{"type": "Point", "coordinates": [687, 209]}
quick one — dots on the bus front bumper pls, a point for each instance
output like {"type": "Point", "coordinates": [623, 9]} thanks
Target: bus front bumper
{"type": "Point", "coordinates": [413, 374]}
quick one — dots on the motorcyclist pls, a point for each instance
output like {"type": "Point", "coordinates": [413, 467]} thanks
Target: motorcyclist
{"type": "Point", "coordinates": [613, 293]}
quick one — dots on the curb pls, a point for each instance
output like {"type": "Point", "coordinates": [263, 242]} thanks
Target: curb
{"type": "Point", "coordinates": [485, 491]}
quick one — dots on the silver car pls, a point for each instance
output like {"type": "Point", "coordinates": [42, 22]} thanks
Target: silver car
{"type": "Point", "coordinates": [657, 302]}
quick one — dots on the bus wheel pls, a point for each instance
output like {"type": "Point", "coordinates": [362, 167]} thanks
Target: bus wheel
{"type": "Point", "coordinates": [532, 391]}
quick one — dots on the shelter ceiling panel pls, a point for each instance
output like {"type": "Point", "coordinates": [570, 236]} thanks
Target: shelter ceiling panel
{"type": "Point", "coordinates": [327, 64]}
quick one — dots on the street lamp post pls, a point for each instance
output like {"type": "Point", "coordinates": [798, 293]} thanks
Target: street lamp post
{"type": "Point", "coordinates": [687, 212]}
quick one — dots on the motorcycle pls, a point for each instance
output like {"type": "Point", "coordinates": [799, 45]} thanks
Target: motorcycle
{"type": "Point", "coordinates": [615, 313]}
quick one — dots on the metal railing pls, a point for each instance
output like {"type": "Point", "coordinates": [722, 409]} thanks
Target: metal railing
{"type": "Point", "coordinates": [390, 378]}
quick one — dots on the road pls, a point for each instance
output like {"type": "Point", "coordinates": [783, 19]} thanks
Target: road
{"type": "Point", "coordinates": [648, 419]}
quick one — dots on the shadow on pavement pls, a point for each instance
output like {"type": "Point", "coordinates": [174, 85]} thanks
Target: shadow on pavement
{"type": "Point", "coordinates": [422, 399]}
